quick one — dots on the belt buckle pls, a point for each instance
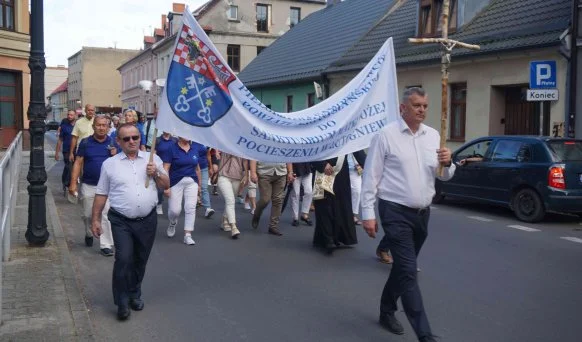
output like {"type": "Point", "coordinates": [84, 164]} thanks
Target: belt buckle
{"type": "Point", "coordinates": [421, 211]}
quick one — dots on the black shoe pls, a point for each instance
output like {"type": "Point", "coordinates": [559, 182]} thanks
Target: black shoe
{"type": "Point", "coordinates": [295, 223]}
{"type": "Point", "coordinates": [89, 241]}
{"type": "Point", "coordinates": [255, 222]}
{"type": "Point", "coordinates": [123, 313]}
{"type": "Point", "coordinates": [306, 220]}
{"type": "Point", "coordinates": [106, 252]}
{"type": "Point", "coordinates": [390, 323]}
{"type": "Point", "coordinates": [136, 304]}
{"type": "Point", "coordinates": [427, 339]}
{"type": "Point", "coordinates": [329, 248]}
{"type": "Point", "coordinates": [275, 231]}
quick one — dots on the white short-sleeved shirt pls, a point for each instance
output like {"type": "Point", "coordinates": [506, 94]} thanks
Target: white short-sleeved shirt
{"type": "Point", "coordinates": [123, 181]}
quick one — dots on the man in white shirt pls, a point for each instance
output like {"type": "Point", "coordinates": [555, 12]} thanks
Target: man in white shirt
{"type": "Point", "coordinates": [132, 214]}
{"type": "Point", "coordinates": [400, 170]}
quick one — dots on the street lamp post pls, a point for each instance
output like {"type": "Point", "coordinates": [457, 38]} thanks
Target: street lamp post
{"type": "Point", "coordinates": [36, 230]}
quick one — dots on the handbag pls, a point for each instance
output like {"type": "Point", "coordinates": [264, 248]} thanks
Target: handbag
{"type": "Point", "coordinates": [324, 182]}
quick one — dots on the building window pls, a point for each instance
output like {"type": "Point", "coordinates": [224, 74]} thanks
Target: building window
{"type": "Point", "coordinates": [262, 18]}
{"type": "Point", "coordinates": [233, 12]}
{"type": "Point", "coordinates": [430, 16]}
{"type": "Point", "coordinates": [260, 49]}
{"type": "Point", "coordinates": [294, 16]}
{"type": "Point", "coordinates": [310, 100]}
{"type": "Point", "coordinates": [9, 100]}
{"type": "Point", "coordinates": [289, 103]}
{"type": "Point", "coordinates": [458, 111]}
{"type": "Point", "coordinates": [233, 56]}
{"type": "Point", "coordinates": [7, 15]}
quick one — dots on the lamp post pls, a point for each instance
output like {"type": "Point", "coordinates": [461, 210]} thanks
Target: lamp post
{"type": "Point", "coordinates": [36, 230]}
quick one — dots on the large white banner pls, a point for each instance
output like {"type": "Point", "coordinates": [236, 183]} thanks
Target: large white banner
{"type": "Point", "coordinates": [204, 101]}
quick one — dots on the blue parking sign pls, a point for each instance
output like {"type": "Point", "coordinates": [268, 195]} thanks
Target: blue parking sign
{"type": "Point", "coordinates": [542, 75]}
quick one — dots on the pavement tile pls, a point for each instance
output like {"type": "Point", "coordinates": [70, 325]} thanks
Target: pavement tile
{"type": "Point", "coordinates": [41, 299]}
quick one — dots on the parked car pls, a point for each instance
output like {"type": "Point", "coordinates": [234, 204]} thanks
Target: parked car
{"type": "Point", "coordinates": [530, 175]}
{"type": "Point", "coordinates": [52, 125]}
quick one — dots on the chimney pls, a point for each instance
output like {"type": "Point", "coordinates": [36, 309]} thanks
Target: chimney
{"type": "Point", "coordinates": [178, 7]}
{"type": "Point", "coordinates": [332, 2]}
{"type": "Point", "coordinates": [163, 22]}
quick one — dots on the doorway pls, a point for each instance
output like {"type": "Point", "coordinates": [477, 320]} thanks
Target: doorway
{"type": "Point", "coordinates": [522, 117]}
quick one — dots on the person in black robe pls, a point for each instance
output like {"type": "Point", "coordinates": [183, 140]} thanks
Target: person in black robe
{"type": "Point", "coordinates": [334, 221]}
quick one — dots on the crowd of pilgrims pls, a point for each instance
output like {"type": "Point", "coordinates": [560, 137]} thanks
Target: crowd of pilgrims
{"type": "Point", "coordinates": [199, 172]}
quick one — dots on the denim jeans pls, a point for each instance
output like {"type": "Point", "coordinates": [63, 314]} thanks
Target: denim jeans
{"type": "Point", "coordinates": [204, 191]}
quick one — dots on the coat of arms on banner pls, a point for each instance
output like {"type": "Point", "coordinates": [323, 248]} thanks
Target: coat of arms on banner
{"type": "Point", "coordinates": [197, 86]}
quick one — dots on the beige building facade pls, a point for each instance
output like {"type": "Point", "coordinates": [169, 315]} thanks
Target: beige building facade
{"type": "Point", "coordinates": [494, 89]}
{"type": "Point", "coordinates": [58, 102]}
{"type": "Point", "coordinates": [240, 29]}
{"type": "Point", "coordinates": [53, 78]}
{"type": "Point", "coordinates": [14, 71]}
{"type": "Point", "coordinates": [94, 79]}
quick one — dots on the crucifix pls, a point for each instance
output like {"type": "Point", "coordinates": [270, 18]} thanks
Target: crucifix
{"type": "Point", "coordinates": [447, 47]}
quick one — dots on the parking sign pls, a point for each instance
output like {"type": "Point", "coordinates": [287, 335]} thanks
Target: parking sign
{"type": "Point", "coordinates": [542, 75]}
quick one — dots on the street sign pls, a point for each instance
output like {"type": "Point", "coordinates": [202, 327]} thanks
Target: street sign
{"type": "Point", "coordinates": [542, 94]}
{"type": "Point", "coordinates": [542, 75]}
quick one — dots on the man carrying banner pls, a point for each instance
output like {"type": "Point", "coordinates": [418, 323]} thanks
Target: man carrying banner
{"type": "Point", "coordinates": [400, 169]}
{"type": "Point", "coordinates": [271, 178]}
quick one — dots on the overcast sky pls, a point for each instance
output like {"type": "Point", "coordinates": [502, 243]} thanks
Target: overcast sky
{"type": "Point", "coordinates": [69, 25]}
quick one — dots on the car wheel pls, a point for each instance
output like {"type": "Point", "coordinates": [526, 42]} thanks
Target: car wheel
{"type": "Point", "coordinates": [528, 206]}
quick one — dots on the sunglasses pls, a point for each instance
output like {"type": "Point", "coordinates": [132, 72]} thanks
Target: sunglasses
{"type": "Point", "coordinates": [133, 137]}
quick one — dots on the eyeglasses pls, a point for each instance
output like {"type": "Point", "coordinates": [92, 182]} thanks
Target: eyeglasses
{"type": "Point", "coordinates": [133, 137]}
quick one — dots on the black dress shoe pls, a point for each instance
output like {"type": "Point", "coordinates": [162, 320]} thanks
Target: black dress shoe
{"type": "Point", "coordinates": [295, 223]}
{"type": "Point", "coordinates": [390, 323]}
{"type": "Point", "coordinates": [275, 231]}
{"type": "Point", "coordinates": [329, 248]}
{"type": "Point", "coordinates": [255, 222]}
{"type": "Point", "coordinates": [136, 304]}
{"type": "Point", "coordinates": [427, 339]}
{"type": "Point", "coordinates": [89, 241]}
{"type": "Point", "coordinates": [106, 252]}
{"type": "Point", "coordinates": [307, 221]}
{"type": "Point", "coordinates": [123, 312]}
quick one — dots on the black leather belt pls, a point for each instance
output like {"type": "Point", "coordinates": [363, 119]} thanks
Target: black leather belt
{"type": "Point", "coordinates": [417, 211]}
{"type": "Point", "coordinates": [117, 213]}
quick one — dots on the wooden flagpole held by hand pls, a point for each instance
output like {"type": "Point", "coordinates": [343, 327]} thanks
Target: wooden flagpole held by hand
{"type": "Point", "coordinates": [447, 47]}
{"type": "Point", "coordinates": [152, 152]}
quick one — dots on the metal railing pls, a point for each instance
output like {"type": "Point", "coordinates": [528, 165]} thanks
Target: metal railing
{"type": "Point", "coordinates": [9, 170]}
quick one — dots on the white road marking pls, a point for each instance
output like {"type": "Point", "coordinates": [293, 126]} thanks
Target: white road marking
{"type": "Point", "coordinates": [573, 239]}
{"type": "Point", "coordinates": [524, 228]}
{"type": "Point", "coordinates": [479, 218]}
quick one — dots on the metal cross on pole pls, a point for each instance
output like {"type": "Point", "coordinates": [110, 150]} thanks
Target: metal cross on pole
{"type": "Point", "coordinates": [447, 47]}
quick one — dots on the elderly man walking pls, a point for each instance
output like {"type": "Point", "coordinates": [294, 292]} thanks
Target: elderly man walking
{"type": "Point", "coordinates": [132, 214]}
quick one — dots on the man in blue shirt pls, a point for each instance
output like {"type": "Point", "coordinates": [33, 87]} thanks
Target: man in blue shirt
{"type": "Point", "coordinates": [64, 141]}
{"type": "Point", "coordinates": [91, 154]}
{"type": "Point", "coordinates": [203, 190]}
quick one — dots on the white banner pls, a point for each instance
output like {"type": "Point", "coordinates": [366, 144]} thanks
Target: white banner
{"type": "Point", "coordinates": [204, 101]}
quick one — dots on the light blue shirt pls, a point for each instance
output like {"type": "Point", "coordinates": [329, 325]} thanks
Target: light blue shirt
{"type": "Point", "coordinates": [123, 181]}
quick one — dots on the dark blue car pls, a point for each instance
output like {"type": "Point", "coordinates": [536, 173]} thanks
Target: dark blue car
{"type": "Point", "coordinates": [530, 175]}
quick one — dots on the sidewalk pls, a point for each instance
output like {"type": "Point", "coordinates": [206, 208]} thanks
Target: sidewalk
{"type": "Point", "coordinates": [42, 300]}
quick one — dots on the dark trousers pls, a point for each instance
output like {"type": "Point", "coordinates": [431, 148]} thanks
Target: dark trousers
{"type": "Point", "coordinates": [66, 177]}
{"type": "Point", "coordinates": [405, 231]}
{"type": "Point", "coordinates": [133, 240]}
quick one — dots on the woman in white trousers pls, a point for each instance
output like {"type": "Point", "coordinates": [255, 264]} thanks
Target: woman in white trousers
{"type": "Point", "coordinates": [356, 185]}
{"type": "Point", "coordinates": [303, 177]}
{"type": "Point", "coordinates": [232, 172]}
{"type": "Point", "coordinates": [181, 162]}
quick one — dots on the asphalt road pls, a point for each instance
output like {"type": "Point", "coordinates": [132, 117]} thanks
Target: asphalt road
{"type": "Point", "coordinates": [485, 277]}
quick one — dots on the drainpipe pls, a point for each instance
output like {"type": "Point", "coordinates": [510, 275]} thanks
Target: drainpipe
{"type": "Point", "coordinates": [573, 79]}
{"type": "Point", "coordinates": [325, 85]}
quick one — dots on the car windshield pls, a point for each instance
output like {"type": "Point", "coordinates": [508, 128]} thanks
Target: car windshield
{"type": "Point", "coordinates": [566, 150]}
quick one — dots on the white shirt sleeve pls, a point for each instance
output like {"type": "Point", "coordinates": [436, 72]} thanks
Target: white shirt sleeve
{"type": "Point", "coordinates": [159, 165]}
{"type": "Point", "coordinates": [372, 176]}
{"type": "Point", "coordinates": [448, 172]}
{"type": "Point", "coordinates": [103, 185]}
